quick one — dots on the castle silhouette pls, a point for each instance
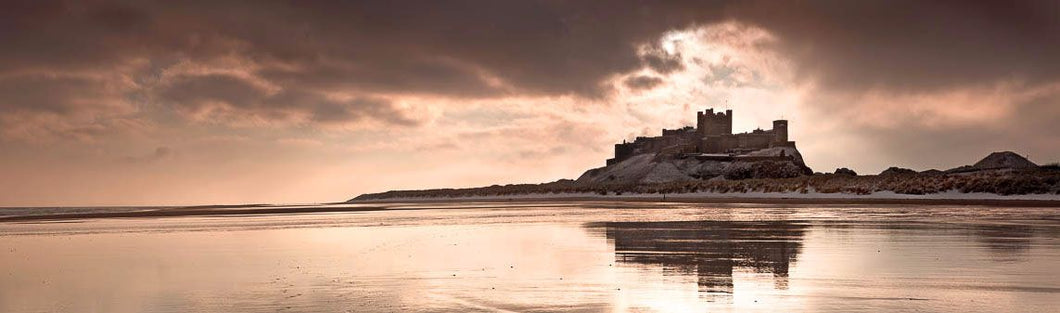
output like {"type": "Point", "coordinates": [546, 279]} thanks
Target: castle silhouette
{"type": "Point", "coordinates": [710, 250]}
{"type": "Point", "coordinates": [712, 135]}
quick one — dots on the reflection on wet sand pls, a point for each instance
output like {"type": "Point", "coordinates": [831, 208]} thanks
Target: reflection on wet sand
{"type": "Point", "coordinates": [577, 258]}
{"type": "Point", "coordinates": [1005, 242]}
{"type": "Point", "coordinates": [710, 250]}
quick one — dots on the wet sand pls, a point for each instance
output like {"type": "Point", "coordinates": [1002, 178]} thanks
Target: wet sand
{"type": "Point", "coordinates": [192, 211]}
{"type": "Point", "coordinates": [587, 256]}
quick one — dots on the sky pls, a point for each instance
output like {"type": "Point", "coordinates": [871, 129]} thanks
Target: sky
{"type": "Point", "coordinates": [203, 102]}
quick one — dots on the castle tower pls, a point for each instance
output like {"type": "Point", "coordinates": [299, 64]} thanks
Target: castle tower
{"type": "Point", "coordinates": [727, 126]}
{"type": "Point", "coordinates": [709, 123]}
{"type": "Point", "coordinates": [780, 131]}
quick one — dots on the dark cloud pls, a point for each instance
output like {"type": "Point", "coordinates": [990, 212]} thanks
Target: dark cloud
{"type": "Point", "coordinates": [47, 106]}
{"type": "Point", "coordinates": [465, 49]}
{"type": "Point", "coordinates": [662, 62]}
{"type": "Point", "coordinates": [450, 48]}
{"type": "Point", "coordinates": [296, 55]}
{"type": "Point", "coordinates": [199, 92]}
{"type": "Point", "coordinates": [232, 97]}
{"type": "Point", "coordinates": [58, 95]}
{"type": "Point", "coordinates": [858, 50]}
{"type": "Point", "coordinates": [914, 46]}
{"type": "Point", "coordinates": [537, 47]}
{"type": "Point", "coordinates": [643, 82]}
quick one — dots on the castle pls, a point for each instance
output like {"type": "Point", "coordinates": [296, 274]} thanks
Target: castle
{"type": "Point", "coordinates": [712, 137]}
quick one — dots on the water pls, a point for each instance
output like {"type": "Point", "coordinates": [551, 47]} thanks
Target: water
{"type": "Point", "coordinates": [541, 257]}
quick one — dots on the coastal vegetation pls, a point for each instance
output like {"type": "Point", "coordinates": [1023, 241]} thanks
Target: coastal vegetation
{"type": "Point", "coordinates": [1043, 180]}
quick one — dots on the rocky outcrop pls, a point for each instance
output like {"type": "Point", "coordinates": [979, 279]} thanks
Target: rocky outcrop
{"type": "Point", "coordinates": [997, 161]}
{"type": "Point", "coordinates": [779, 162]}
{"type": "Point", "coordinates": [897, 171]}
{"type": "Point", "coordinates": [1004, 160]}
{"type": "Point", "coordinates": [845, 171]}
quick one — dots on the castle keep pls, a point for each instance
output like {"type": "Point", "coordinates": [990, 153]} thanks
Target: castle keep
{"type": "Point", "coordinates": [711, 137]}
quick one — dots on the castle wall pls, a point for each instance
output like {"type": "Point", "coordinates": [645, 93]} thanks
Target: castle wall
{"type": "Point", "coordinates": [754, 141]}
{"type": "Point", "coordinates": [711, 144]}
{"type": "Point", "coordinates": [686, 131]}
{"type": "Point", "coordinates": [744, 141]}
{"type": "Point", "coordinates": [673, 141]}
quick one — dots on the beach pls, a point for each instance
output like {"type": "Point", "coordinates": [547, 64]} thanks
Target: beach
{"type": "Point", "coordinates": [544, 256]}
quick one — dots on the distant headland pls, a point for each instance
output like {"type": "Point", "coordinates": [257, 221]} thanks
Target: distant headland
{"type": "Point", "coordinates": [709, 161]}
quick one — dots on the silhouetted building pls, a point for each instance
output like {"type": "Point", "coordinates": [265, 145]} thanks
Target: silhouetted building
{"type": "Point", "coordinates": [712, 135]}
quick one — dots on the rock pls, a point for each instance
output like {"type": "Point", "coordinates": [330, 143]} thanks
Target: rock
{"type": "Point", "coordinates": [893, 170]}
{"type": "Point", "coordinates": [1004, 160]}
{"type": "Point", "coordinates": [659, 168]}
{"type": "Point", "coordinates": [781, 151]}
{"type": "Point", "coordinates": [961, 169]}
{"type": "Point", "coordinates": [762, 169]}
{"type": "Point", "coordinates": [665, 172]}
{"type": "Point", "coordinates": [845, 171]}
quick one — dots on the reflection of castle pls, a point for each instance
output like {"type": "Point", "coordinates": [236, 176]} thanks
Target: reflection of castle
{"type": "Point", "coordinates": [710, 249]}
{"type": "Point", "coordinates": [713, 134]}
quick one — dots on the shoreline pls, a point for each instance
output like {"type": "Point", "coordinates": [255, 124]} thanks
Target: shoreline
{"type": "Point", "coordinates": [795, 199]}
{"type": "Point", "coordinates": [235, 210]}
{"type": "Point", "coordinates": [994, 202]}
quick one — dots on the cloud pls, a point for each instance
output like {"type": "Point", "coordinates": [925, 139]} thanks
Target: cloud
{"type": "Point", "coordinates": [37, 106]}
{"type": "Point", "coordinates": [660, 60]}
{"type": "Point", "coordinates": [58, 95]}
{"type": "Point", "coordinates": [232, 98]}
{"type": "Point", "coordinates": [462, 48]}
{"type": "Point", "coordinates": [489, 48]}
{"type": "Point", "coordinates": [197, 93]}
{"type": "Point", "coordinates": [643, 82]}
{"type": "Point", "coordinates": [492, 84]}
{"type": "Point", "coordinates": [913, 45]}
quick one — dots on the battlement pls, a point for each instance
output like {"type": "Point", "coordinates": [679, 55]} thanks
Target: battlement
{"type": "Point", "coordinates": [710, 111]}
